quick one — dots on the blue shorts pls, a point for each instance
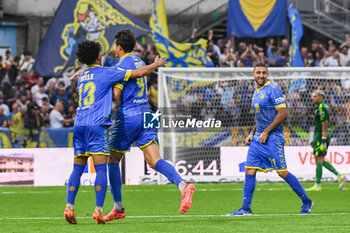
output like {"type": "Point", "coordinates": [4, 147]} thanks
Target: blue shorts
{"type": "Point", "coordinates": [268, 156]}
{"type": "Point", "coordinates": [90, 140]}
{"type": "Point", "coordinates": [128, 130]}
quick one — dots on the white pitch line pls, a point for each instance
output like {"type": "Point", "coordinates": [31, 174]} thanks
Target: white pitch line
{"type": "Point", "coordinates": [182, 216]}
{"type": "Point", "coordinates": [156, 190]}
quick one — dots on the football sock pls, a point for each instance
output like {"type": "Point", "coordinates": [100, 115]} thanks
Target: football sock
{"type": "Point", "coordinates": [71, 206]}
{"type": "Point", "coordinates": [319, 172]}
{"type": "Point", "coordinates": [248, 191]}
{"type": "Point", "coordinates": [118, 205]}
{"type": "Point", "coordinates": [100, 184]}
{"type": "Point", "coordinates": [168, 171]}
{"type": "Point", "coordinates": [182, 185]}
{"type": "Point", "coordinates": [296, 186]}
{"type": "Point", "coordinates": [74, 182]}
{"type": "Point", "coordinates": [115, 181]}
{"type": "Point", "coordinates": [330, 167]}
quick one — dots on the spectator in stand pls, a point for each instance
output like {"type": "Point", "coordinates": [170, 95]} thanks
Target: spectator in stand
{"type": "Point", "coordinates": [216, 47]}
{"type": "Point", "coordinates": [35, 123]}
{"type": "Point", "coordinates": [261, 58]}
{"type": "Point", "coordinates": [274, 57]}
{"type": "Point", "coordinates": [70, 115]}
{"type": "Point", "coordinates": [52, 83]}
{"type": "Point", "coordinates": [23, 101]}
{"type": "Point", "coordinates": [309, 61]}
{"type": "Point", "coordinates": [35, 88]}
{"type": "Point", "coordinates": [228, 58]}
{"type": "Point", "coordinates": [3, 118]}
{"type": "Point", "coordinates": [331, 45]}
{"type": "Point", "coordinates": [10, 93]}
{"type": "Point", "coordinates": [61, 94]}
{"type": "Point", "coordinates": [45, 115]}
{"type": "Point", "coordinates": [269, 46]}
{"type": "Point", "coordinates": [40, 94]}
{"type": "Point", "coordinates": [344, 55]}
{"type": "Point", "coordinates": [284, 46]}
{"type": "Point", "coordinates": [22, 78]}
{"type": "Point", "coordinates": [19, 117]}
{"type": "Point", "coordinates": [249, 56]}
{"type": "Point", "coordinates": [303, 53]}
{"type": "Point", "coordinates": [27, 62]}
{"type": "Point", "coordinates": [319, 57]}
{"type": "Point", "coordinates": [8, 58]}
{"type": "Point", "coordinates": [334, 59]}
{"type": "Point", "coordinates": [323, 60]}
{"type": "Point", "coordinates": [284, 60]}
{"type": "Point", "coordinates": [33, 79]}
{"type": "Point", "coordinates": [56, 118]}
{"type": "Point", "coordinates": [4, 107]}
{"type": "Point", "coordinates": [13, 71]}
{"type": "Point", "coordinates": [46, 103]}
{"type": "Point", "coordinates": [314, 48]}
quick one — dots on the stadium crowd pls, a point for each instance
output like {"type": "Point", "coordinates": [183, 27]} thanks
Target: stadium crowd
{"type": "Point", "coordinates": [28, 100]}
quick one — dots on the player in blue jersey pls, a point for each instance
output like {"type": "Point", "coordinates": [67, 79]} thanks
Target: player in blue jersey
{"type": "Point", "coordinates": [266, 150]}
{"type": "Point", "coordinates": [91, 133]}
{"type": "Point", "coordinates": [129, 129]}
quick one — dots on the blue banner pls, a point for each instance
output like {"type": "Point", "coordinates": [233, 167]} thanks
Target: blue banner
{"type": "Point", "coordinates": [21, 138]}
{"type": "Point", "coordinates": [252, 18]}
{"type": "Point", "coordinates": [297, 33]}
{"type": "Point", "coordinates": [79, 20]}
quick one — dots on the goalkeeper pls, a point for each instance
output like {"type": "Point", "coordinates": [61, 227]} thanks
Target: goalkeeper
{"type": "Point", "coordinates": [322, 137]}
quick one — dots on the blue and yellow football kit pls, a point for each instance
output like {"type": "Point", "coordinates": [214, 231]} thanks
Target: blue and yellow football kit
{"type": "Point", "coordinates": [91, 134]}
{"type": "Point", "coordinates": [129, 123]}
{"type": "Point", "coordinates": [270, 155]}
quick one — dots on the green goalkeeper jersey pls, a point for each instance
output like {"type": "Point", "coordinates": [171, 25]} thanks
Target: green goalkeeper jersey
{"type": "Point", "coordinates": [321, 114]}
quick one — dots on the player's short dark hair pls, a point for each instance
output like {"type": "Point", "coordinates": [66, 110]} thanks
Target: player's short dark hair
{"type": "Point", "coordinates": [126, 39]}
{"type": "Point", "coordinates": [260, 65]}
{"type": "Point", "coordinates": [88, 52]}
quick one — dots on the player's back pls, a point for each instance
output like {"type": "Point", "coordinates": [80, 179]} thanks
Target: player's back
{"type": "Point", "coordinates": [133, 99]}
{"type": "Point", "coordinates": [95, 94]}
{"type": "Point", "coordinates": [265, 102]}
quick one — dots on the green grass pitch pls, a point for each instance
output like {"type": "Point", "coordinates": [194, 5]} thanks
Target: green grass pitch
{"type": "Point", "coordinates": [155, 208]}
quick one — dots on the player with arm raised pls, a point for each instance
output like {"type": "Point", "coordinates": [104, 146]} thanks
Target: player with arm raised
{"type": "Point", "coordinates": [266, 150]}
{"type": "Point", "coordinates": [321, 140]}
{"type": "Point", "coordinates": [91, 134]}
{"type": "Point", "coordinates": [129, 129]}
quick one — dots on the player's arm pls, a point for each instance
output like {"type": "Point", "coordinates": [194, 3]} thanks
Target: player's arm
{"type": "Point", "coordinates": [324, 123]}
{"type": "Point", "coordinates": [324, 129]}
{"type": "Point", "coordinates": [250, 136]}
{"type": "Point", "coordinates": [158, 62]}
{"type": "Point", "coordinates": [116, 93]}
{"type": "Point", "coordinates": [279, 118]}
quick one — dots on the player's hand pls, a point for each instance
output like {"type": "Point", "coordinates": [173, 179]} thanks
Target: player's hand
{"type": "Point", "coordinates": [264, 136]}
{"type": "Point", "coordinates": [323, 146]}
{"type": "Point", "coordinates": [77, 74]}
{"type": "Point", "coordinates": [160, 61]}
{"type": "Point", "coordinates": [249, 139]}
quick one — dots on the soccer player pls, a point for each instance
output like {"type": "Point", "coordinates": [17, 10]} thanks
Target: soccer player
{"type": "Point", "coordinates": [266, 150]}
{"type": "Point", "coordinates": [321, 140]}
{"type": "Point", "coordinates": [91, 134]}
{"type": "Point", "coordinates": [129, 129]}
